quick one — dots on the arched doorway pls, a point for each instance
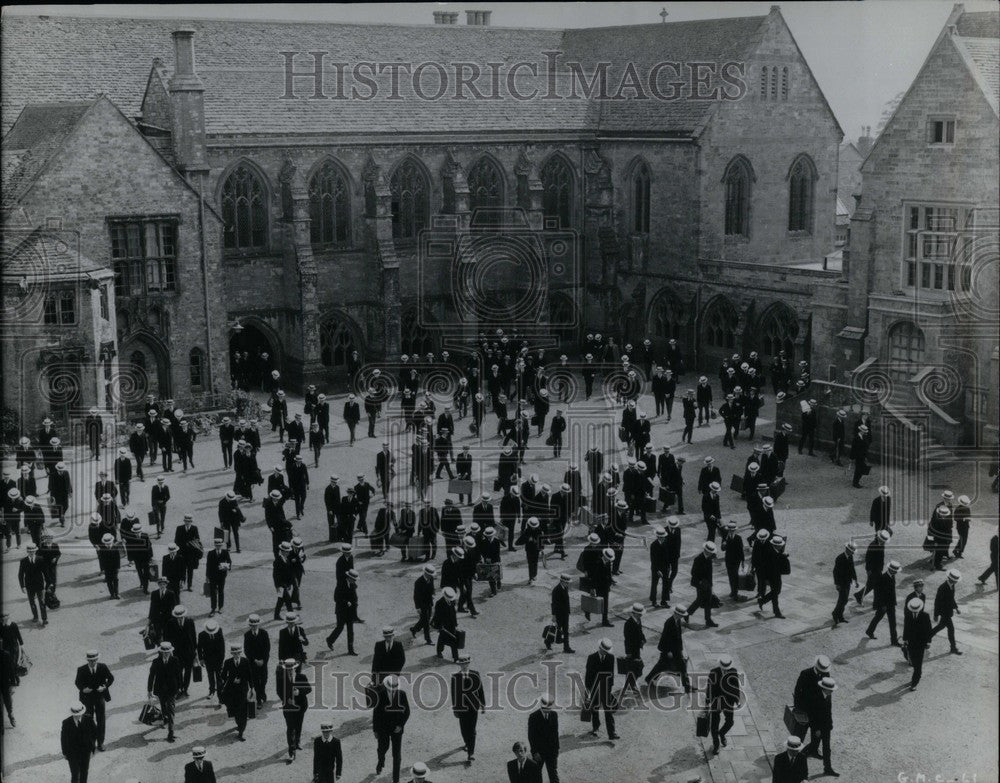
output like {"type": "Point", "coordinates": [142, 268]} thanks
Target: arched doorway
{"type": "Point", "coordinates": [778, 329]}
{"type": "Point", "coordinates": [253, 352]}
{"type": "Point", "coordinates": [668, 320]}
{"type": "Point", "coordinates": [415, 339]}
{"type": "Point", "coordinates": [146, 365]}
{"type": "Point", "coordinates": [336, 343]}
{"type": "Point", "coordinates": [718, 332]}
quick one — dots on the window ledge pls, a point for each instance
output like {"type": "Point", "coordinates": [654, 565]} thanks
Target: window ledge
{"type": "Point", "coordinates": [800, 234]}
{"type": "Point", "coordinates": [246, 255]}
{"type": "Point", "coordinates": [736, 239]}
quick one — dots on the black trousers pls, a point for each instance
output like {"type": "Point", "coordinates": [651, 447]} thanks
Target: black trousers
{"type": "Point", "coordinates": [467, 720]}
{"type": "Point", "coordinates": [727, 724]}
{"type": "Point", "coordinates": [227, 454]}
{"type": "Point", "coordinates": [447, 639]}
{"type": "Point", "coordinates": [660, 401]}
{"type": "Point", "coordinates": [214, 671]}
{"type": "Point", "coordinates": [946, 622]}
{"type": "Point", "coordinates": [658, 575]}
{"type": "Point", "coordinates": [669, 663]}
{"type": "Point", "coordinates": [688, 432]}
{"type": "Point", "coordinates": [917, 662]}
{"type": "Point", "coordinates": [293, 727]}
{"type": "Point", "coordinates": [343, 623]}
{"type": "Point", "coordinates": [733, 572]}
{"type": "Point", "coordinates": [807, 437]}
{"type": "Point", "coordinates": [703, 408]}
{"type": "Point", "coordinates": [111, 580]}
{"type": "Point", "coordinates": [167, 459]}
{"type": "Point", "coordinates": [704, 601]}
{"type": "Point", "coordinates": [820, 737]}
{"type": "Point", "coordinates": [79, 768]}
{"type": "Point", "coordinates": [551, 760]}
{"type": "Point", "coordinates": [125, 491]}
{"type": "Point", "coordinates": [384, 740]}
{"type": "Point", "coordinates": [160, 513]}
{"type": "Point", "coordinates": [40, 596]}
{"type": "Point", "coordinates": [259, 677]}
{"type": "Point", "coordinates": [843, 591]}
{"type": "Point", "coordinates": [423, 624]}
{"type": "Point", "coordinates": [465, 595]}
{"type": "Point", "coordinates": [609, 718]}
{"type": "Point", "coordinates": [887, 612]}
{"type": "Point", "coordinates": [217, 594]}
{"type": "Point", "coordinates": [562, 632]}
{"type": "Point", "coordinates": [96, 710]}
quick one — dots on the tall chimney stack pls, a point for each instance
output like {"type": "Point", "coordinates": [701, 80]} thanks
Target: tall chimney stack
{"type": "Point", "coordinates": [446, 17]}
{"type": "Point", "coordinates": [478, 18]}
{"type": "Point", "coordinates": [187, 94]}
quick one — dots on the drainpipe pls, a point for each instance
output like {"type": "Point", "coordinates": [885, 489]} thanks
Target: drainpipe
{"type": "Point", "coordinates": [204, 281]}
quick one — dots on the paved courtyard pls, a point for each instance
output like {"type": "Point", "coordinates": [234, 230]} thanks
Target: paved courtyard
{"type": "Point", "coordinates": [882, 731]}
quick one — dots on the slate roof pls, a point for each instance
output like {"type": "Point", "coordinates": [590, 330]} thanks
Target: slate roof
{"type": "Point", "coordinates": [39, 134]}
{"type": "Point", "coordinates": [983, 58]}
{"type": "Point", "coordinates": [71, 59]}
{"type": "Point", "coordinates": [979, 24]}
{"type": "Point", "coordinates": [42, 256]}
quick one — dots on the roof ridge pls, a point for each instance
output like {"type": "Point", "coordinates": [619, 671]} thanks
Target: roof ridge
{"type": "Point", "coordinates": [180, 22]}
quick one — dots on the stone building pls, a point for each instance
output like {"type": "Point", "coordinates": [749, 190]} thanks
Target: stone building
{"type": "Point", "coordinates": [923, 306]}
{"type": "Point", "coordinates": [694, 200]}
{"type": "Point", "coordinates": [85, 170]}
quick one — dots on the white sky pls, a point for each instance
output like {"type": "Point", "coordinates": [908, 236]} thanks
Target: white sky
{"type": "Point", "coordinates": [862, 53]}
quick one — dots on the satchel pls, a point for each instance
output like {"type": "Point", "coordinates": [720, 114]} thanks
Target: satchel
{"type": "Point", "coordinates": [149, 714]}
{"type": "Point", "coordinates": [459, 487]}
{"type": "Point", "coordinates": [549, 634]}
{"type": "Point", "coordinates": [460, 640]}
{"type": "Point", "coordinates": [148, 640]}
{"type": "Point", "coordinates": [398, 539]}
{"type": "Point", "coordinates": [649, 504]}
{"type": "Point", "coordinates": [23, 664]}
{"type": "Point", "coordinates": [628, 665]}
{"type": "Point", "coordinates": [591, 604]}
{"type": "Point", "coordinates": [712, 412]}
{"type": "Point", "coordinates": [929, 543]}
{"type": "Point", "coordinates": [196, 674]}
{"type": "Point", "coordinates": [777, 488]}
{"type": "Point", "coordinates": [551, 440]}
{"type": "Point", "coordinates": [701, 724]}
{"type": "Point", "coordinates": [622, 434]}
{"type": "Point", "coordinates": [736, 484]}
{"type": "Point", "coordinates": [251, 706]}
{"type": "Point", "coordinates": [586, 715]}
{"type": "Point", "coordinates": [152, 517]}
{"type": "Point", "coordinates": [746, 579]}
{"type": "Point", "coordinates": [206, 589]}
{"type": "Point", "coordinates": [667, 497]}
{"type": "Point", "coordinates": [487, 572]}
{"type": "Point", "coordinates": [534, 421]}
{"type": "Point", "coordinates": [153, 569]}
{"type": "Point", "coordinates": [796, 721]}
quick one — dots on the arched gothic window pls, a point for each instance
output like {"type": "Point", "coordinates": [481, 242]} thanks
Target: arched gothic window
{"type": "Point", "coordinates": [801, 181]}
{"type": "Point", "coordinates": [719, 324]}
{"type": "Point", "coordinates": [410, 200]}
{"type": "Point", "coordinates": [244, 210]}
{"type": "Point", "coordinates": [335, 344]}
{"type": "Point", "coordinates": [640, 200]}
{"type": "Point", "coordinates": [906, 349]}
{"type": "Point", "coordinates": [738, 182]}
{"type": "Point", "coordinates": [557, 192]}
{"type": "Point", "coordinates": [329, 206]}
{"type": "Point", "coordinates": [778, 328]}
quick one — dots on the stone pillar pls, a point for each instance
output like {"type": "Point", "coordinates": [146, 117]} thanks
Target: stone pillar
{"type": "Point", "coordinates": [389, 265]}
{"type": "Point", "coordinates": [309, 368]}
{"type": "Point", "coordinates": [600, 252]}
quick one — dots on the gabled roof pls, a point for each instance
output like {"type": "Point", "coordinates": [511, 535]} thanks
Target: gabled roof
{"type": "Point", "coordinates": [982, 57]}
{"type": "Point", "coordinates": [40, 132]}
{"type": "Point", "coordinates": [242, 69]}
{"type": "Point", "coordinates": [976, 38]}
{"type": "Point", "coordinates": [43, 256]}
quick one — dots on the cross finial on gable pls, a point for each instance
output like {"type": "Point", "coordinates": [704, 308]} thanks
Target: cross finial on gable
{"type": "Point", "coordinates": [664, 14]}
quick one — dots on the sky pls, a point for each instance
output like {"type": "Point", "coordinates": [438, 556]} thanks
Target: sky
{"type": "Point", "coordinates": [862, 53]}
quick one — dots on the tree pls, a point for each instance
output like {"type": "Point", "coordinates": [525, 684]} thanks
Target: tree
{"type": "Point", "coordinates": [887, 111]}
